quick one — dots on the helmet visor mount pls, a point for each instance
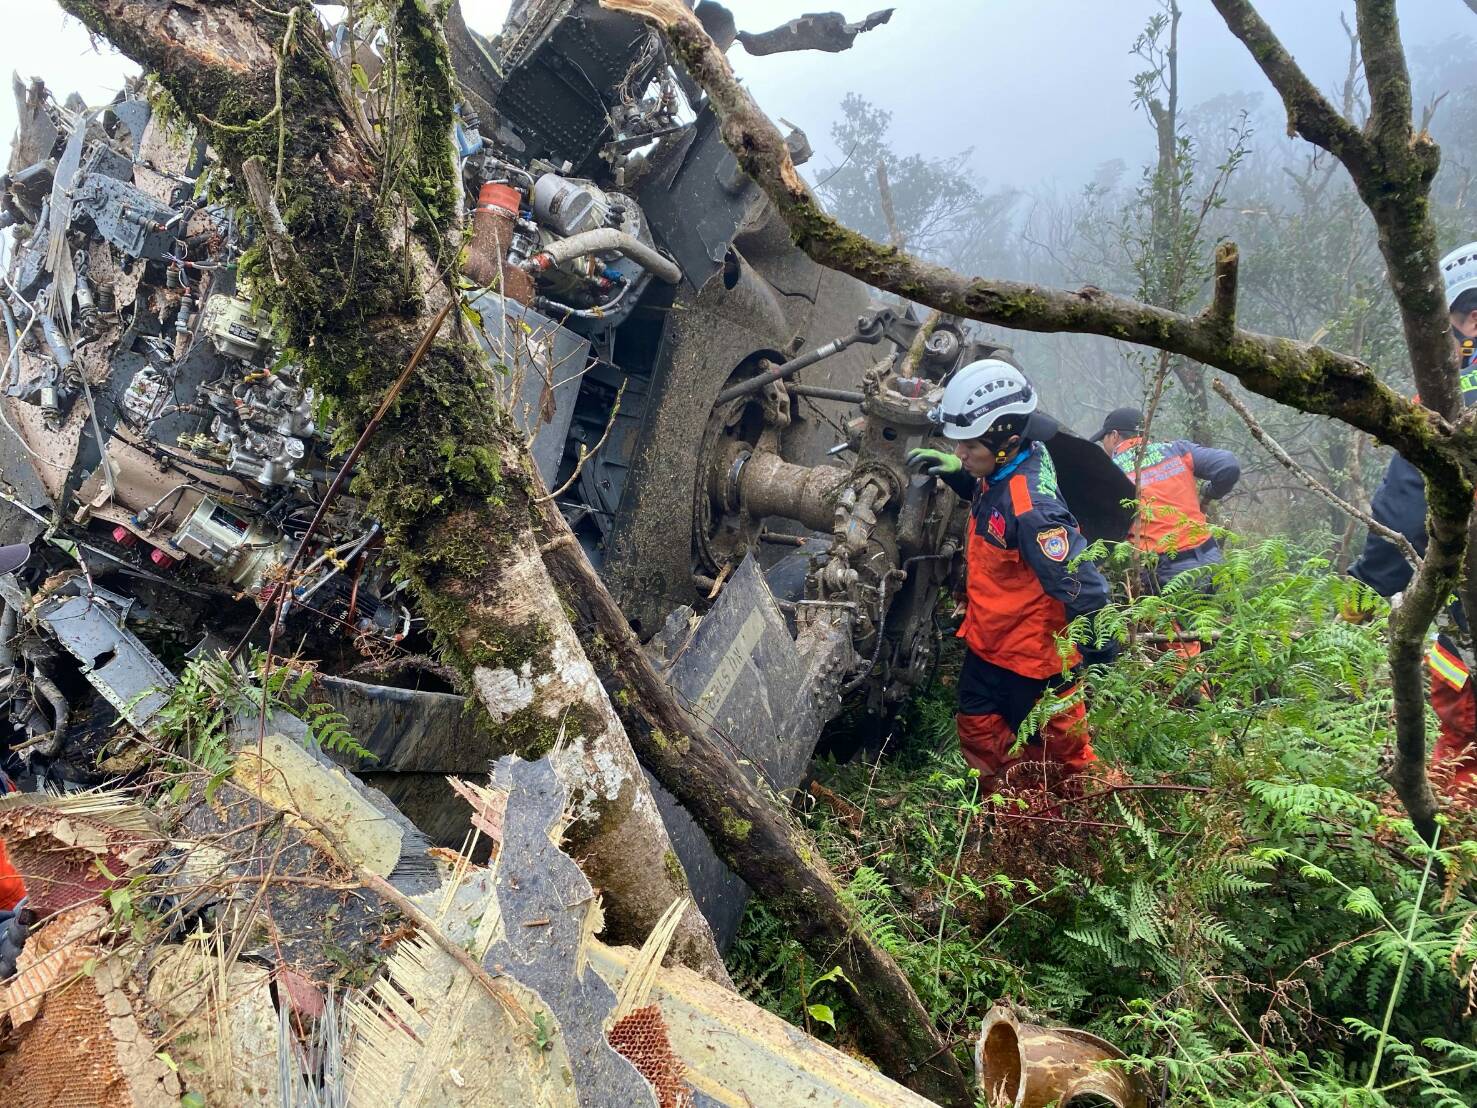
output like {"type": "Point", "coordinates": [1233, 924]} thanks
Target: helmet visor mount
{"type": "Point", "coordinates": [972, 416]}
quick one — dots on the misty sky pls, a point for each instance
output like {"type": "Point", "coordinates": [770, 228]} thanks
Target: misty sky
{"type": "Point", "coordinates": [1038, 88]}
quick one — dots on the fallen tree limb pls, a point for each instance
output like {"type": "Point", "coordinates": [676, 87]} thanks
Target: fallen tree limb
{"type": "Point", "coordinates": [755, 837]}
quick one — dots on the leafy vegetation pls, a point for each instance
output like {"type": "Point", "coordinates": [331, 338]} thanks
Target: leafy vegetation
{"type": "Point", "coordinates": [1233, 898]}
{"type": "Point", "coordinates": [212, 691]}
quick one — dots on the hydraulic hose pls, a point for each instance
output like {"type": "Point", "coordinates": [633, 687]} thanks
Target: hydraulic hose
{"type": "Point", "coordinates": [600, 241]}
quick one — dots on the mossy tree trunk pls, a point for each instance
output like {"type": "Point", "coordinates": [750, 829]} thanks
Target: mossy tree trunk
{"type": "Point", "coordinates": [361, 236]}
{"type": "Point", "coordinates": [1392, 168]}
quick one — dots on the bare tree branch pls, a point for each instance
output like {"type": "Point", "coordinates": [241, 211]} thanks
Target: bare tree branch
{"type": "Point", "coordinates": [1275, 449]}
{"type": "Point", "coordinates": [884, 196]}
{"type": "Point", "coordinates": [1384, 68]}
{"type": "Point", "coordinates": [1308, 112]}
{"type": "Point", "coordinates": [1222, 306]}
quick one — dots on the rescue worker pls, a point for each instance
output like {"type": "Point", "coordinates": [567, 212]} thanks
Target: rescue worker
{"type": "Point", "coordinates": [14, 918]}
{"type": "Point", "coordinates": [1170, 526]}
{"type": "Point", "coordinates": [1400, 504]}
{"type": "Point", "coordinates": [13, 914]}
{"type": "Point", "coordinates": [1025, 580]}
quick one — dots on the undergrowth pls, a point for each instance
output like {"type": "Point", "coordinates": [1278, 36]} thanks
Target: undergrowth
{"type": "Point", "coordinates": [1234, 898]}
{"type": "Point", "coordinates": [212, 692]}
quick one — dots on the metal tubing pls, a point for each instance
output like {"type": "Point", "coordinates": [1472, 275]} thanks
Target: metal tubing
{"type": "Point", "coordinates": [817, 392]}
{"type": "Point", "coordinates": [59, 709]}
{"type": "Point", "coordinates": [788, 369]}
{"type": "Point", "coordinates": [8, 623]}
{"type": "Point", "coordinates": [53, 335]}
{"type": "Point", "coordinates": [603, 239]}
{"type": "Point", "coordinates": [12, 334]}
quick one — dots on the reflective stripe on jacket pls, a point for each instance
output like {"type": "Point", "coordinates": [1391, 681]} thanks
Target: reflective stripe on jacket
{"type": "Point", "coordinates": [1022, 587]}
{"type": "Point", "coordinates": [1446, 663]}
{"type": "Point", "coordinates": [1170, 519]}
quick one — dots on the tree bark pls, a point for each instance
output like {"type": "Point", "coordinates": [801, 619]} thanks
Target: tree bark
{"type": "Point", "coordinates": [447, 476]}
{"type": "Point", "coordinates": [1392, 170]}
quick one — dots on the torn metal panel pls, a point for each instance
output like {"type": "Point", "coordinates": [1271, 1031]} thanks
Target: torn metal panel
{"type": "Point", "coordinates": [740, 674]}
{"type": "Point", "coordinates": [283, 766]}
{"type": "Point", "coordinates": [409, 730]}
{"type": "Point", "coordinates": [545, 361]}
{"type": "Point", "coordinates": [549, 914]}
{"type": "Point", "coordinates": [828, 31]}
{"type": "Point", "coordinates": [90, 624]}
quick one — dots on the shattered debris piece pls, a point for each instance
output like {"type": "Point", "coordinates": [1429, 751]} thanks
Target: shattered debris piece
{"type": "Point", "coordinates": [68, 850]}
{"type": "Point", "coordinates": [85, 1045]}
{"type": "Point", "coordinates": [223, 1024]}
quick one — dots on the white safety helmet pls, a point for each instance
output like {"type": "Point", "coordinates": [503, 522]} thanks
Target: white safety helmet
{"type": "Point", "coordinates": [979, 396]}
{"type": "Point", "coordinates": [1459, 271]}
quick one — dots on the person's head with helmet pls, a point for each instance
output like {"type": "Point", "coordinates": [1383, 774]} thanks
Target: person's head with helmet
{"type": "Point", "coordinates": [983, 411]}
{"type": "Point", "coordinates": [1459, 272]}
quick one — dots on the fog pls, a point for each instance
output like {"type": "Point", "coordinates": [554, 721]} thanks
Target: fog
{"type": "Point", "coordinates": [1040, 90]}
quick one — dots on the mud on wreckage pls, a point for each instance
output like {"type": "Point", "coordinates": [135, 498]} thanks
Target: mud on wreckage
{"type": "Point", "coordinates": [724, 424]}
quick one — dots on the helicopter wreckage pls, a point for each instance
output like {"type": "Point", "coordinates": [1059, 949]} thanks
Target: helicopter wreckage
{"type": "Point", "coordinates": [723, 422]}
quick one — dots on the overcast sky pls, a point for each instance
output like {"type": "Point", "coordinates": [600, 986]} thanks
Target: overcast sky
{"type": "Point", "coordinates": [1038, 88]}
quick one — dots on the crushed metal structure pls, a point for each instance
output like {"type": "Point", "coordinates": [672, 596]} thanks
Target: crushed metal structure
{"type": "Point", "coordinates": [725, 425]}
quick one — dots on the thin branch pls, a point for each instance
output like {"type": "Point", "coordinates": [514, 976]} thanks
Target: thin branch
{"type": "Point", "coordinates": [1308, 112]}
{"type": "Point", "coordinates": [919, 346]}
{"type": "Point", "coordinates": [884, 195]}
{"type": "Point", "coordinates": [1274, 449]}
{"type": "Point", "coordinates": [587, 454]}
{"type": "Point", "coordinates": [274, 227]}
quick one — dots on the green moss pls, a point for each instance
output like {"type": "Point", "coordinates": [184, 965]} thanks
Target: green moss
{"type": "Point", "coordinates": [531, 733]}
{"type": "Point", "coordinates": [673, 865]}
{"type": "Point", "coordinates": [734, 827]}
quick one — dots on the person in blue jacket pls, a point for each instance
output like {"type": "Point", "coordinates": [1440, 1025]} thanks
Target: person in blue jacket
{"type": "Point", "coordinates": [1400, 504]}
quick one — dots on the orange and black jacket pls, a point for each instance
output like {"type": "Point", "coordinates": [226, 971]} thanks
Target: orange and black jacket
{"type": "Point", "coordinates": [1170, 520]}
{"type": "Point", "coordinates": [12, 887]}
{"type": "Point", "coordinates": [1026, 577]}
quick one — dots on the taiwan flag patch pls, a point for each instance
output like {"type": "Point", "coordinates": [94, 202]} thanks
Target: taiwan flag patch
{"type": "Point", "coordinates": [1053, 543]}
{"type": "Point", "coordinates": [995, 526]}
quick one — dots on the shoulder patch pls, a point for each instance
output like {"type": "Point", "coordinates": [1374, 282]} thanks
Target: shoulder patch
{"type": "Point", "coordinates": [1053, 543]}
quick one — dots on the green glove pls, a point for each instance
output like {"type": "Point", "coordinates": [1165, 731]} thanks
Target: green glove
{"type": "Point", "coordinates": [935, 463]}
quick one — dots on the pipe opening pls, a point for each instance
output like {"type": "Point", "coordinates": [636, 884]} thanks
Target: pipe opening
{"type": "Point", "coordinates": [1001, 1076]}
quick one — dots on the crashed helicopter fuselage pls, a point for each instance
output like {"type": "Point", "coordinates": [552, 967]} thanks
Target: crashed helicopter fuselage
{"type": "Point", "coordinates": [723, 422]}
